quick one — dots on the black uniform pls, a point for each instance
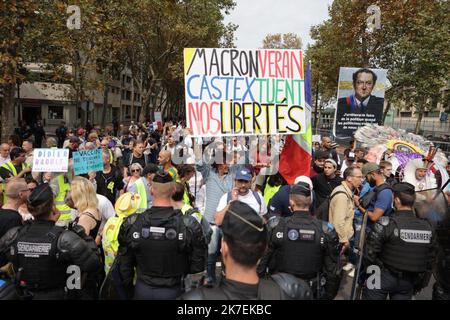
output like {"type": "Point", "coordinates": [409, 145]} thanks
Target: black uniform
{"type": "Point", "coordinates": [441, 289]}
{"type": "Point", "coordinates": [403, 246]}
{"type": "Point", "coordinates": [164, 246]}
{"type": "Point", "coordinates": [41, 254]}
{"type": "Point", "coordinates": [305, 247]}
{"type": "Point", "coordinates": [281, 286]}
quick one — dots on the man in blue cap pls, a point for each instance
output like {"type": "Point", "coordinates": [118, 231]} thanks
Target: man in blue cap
{"type": "Point", "coordinates": [242, 191]}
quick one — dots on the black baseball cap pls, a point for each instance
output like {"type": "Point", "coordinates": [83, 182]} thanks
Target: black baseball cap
{"type": "Point", "coordinates": [162, 177]}
{"type": "Point", "coordinates": [242, 223]}
{"type": "Point", "coordinates": [403, 187]}
{"type": "Point", "coordinates": [40, 195]}
{"type": "Point", "coordinates": [301, 188]}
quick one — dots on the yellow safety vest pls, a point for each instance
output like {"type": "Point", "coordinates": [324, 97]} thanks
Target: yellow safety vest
{"type": "Point", "coordinates": [60, 199]}
{"type": "Point", "coordinates": [111, 157]}
{"type": "Point", "coordinates": [110, 241]}
{"type": "Point", "coordinates": [10, 167]}
{"type": "Point", "coordinates": [269, 192]}
{"type": "Point", "coordinates": [141, 190]}
{"type": "Point", "coordinates": [197, 215]}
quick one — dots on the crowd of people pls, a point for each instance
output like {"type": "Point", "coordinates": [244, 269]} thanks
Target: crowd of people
{"type": "Point", "coordinates": [176, 217]}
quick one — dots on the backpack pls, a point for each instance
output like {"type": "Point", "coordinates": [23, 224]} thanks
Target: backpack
{"type": "Point", "coordinates": [322, 211]}
{"type": "Point", "coordinates": [255, 194]}
{"type": "Point", "coordinates": [373, 194]}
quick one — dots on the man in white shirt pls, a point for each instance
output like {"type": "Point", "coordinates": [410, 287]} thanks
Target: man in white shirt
{"type": "Point", "coordinates": [242, 192]}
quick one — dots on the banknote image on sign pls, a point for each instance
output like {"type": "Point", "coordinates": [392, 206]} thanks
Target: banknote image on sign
{"type": "Point", "coordinates": [244, 92]}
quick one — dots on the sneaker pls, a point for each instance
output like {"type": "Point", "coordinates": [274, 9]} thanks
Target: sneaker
{"type": "Point", "coordinates": [348, 267]}
{"type": "Point", "coordinates": [351, 274]}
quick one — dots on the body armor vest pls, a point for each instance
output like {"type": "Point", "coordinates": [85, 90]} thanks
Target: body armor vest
{"type": "Point", "coordinates": [35, 250]}
{"type": "Point", "coordinates": [160, 247]}
{"type": "Point", "coordinates": [301, 250]}
{"type": "Point", "coordinates": [410, 248]}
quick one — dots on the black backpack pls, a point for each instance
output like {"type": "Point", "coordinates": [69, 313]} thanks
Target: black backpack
{"type": "Point", "coordinates": [322, 211]}
{"type": "Point", "coordinates": [373, 194]}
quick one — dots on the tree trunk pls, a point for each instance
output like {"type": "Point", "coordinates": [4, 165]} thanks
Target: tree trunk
{"type": "Point", "coordinates": [419, 121]}
{"type": "Point", "coordinates": [105, 103]}
{"type": "Point", "coordinates": [388, 108]}
{"type": "Point", "coordinates": [8, 111]}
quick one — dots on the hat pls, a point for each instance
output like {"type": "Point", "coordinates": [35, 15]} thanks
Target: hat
{"type": "Point", "coordinates": [321, 155]}
{"type": "Point", "coordinates": [127, 204]}
{"type": "Point", "coordinates": [403, 187]}
{"type": "Point", "coordinates": [301, 188]}
{"type": "Point", "coordinates": [162, 177]}
{"type": "Point", "coordinates": [41, 194]}
{"type": "Point", "coordinates": [242, 223]}
{"type": "Point", "coordinates": [369, 167]}
{"type": "Point", "coordinates": [332, 162]}
{"type": "Point", "coordinates": [150, 168]}
{"type": "Point", "coordinates": [304, 179]}
{"type": "Point", "coordinates": [244, 174]}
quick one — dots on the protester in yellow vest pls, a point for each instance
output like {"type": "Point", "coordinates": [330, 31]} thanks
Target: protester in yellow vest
{"type": "Point", "coordinates": [14, 168]}
{"type": "Point", "coordinates": [135, 183]}
{"type": "Point", "coordinates": [273, 184]}
{"type": "Point", "coordinates": [60, 186]}
{"type": "Point", "coordinates": [185, 173]}
{"type": "Point", "coordinates": [165, 160]}
{"type": "Point", "coordinates": [126, 205]}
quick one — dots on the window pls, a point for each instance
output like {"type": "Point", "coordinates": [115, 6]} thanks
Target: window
{"type": "Point", "coordinates": [55, 112]}
{"type": "Point", "coordinates": [123, 95]}
{"type": "Point", "coordinates": [128, 95]}
{"type": "Point", "coordinates": [128, 79]}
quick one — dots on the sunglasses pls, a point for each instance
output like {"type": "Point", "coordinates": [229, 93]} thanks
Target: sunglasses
{"type": "Point", "coordinates": [135, 170]}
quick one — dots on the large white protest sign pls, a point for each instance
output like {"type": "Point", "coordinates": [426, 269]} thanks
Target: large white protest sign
{"type": "Point", "coordinates": [50, 160]}
{"type": "Point", "coordinates": [244, 92]}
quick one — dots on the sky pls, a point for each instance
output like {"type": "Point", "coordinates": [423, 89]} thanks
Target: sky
{"type": "Point", "coordinates": [257, 18]}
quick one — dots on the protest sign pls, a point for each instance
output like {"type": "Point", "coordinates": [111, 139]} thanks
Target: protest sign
{"type": "Point", "coordinates": [158, 120]}
{"type": "Point", "coordinates": [244, 92]}
{"type": "Point", "coordinates": [360, 99]}
{"type": "Point", "coordinates": [87, 160]}
{"type": "Point", "coordinates": [50, 160]}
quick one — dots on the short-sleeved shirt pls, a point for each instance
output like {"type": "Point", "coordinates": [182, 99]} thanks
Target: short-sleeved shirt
{"type": "Point", "coordinates": [383, 201]}
{"type": "Point", "coordinates": [249, 199]}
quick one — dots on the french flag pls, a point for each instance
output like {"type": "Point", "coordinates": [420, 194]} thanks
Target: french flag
{"type": "Point", "coordinates": [295, 159]}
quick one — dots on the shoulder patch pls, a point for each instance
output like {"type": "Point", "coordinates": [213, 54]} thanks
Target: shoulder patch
{"type": "Point", "coordinates": [327, 227]}
{"type": "Point", "coordinates": [384, 221]}
{"type": "Point", "coordinates": [273, 222]}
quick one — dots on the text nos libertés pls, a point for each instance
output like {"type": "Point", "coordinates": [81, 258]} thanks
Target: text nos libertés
{"type": "Point", "coordinates": [230, 91]}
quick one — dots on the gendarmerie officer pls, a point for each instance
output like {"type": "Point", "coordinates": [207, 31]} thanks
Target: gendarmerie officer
{"type": "Point", "coordinates": [163, 244]}
{"type": "Point", "coordinates": [403, 246]}
{"type": "Point", "coordinates": [244, 242]}
{"type": "Point", "coordinates": [304, 246]}
{"type": "Point", "coordinates": [42, 252]}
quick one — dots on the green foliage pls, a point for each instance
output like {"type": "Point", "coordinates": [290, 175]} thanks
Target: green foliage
{"type": "Point", "coordinates": [413, 44]}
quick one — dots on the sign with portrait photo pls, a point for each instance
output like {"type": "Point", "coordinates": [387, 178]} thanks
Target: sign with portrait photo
{"type": "Point", "coordinates": [360, 99]}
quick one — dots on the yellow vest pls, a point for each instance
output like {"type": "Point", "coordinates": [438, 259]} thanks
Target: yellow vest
{"type": "Point", "coordinates": [197, 215]}
{"type": "Point", "coordinates": [60, 198]}
{"type": "Point", "coordinates": [10, 167]}
{"type": "Point", "coordinates": [110, 240]}
{"type": "Point", "coordinates": [111, 157]}
{"type": "Point", "coordinates": [141, 190]}
{"type": "Point", "coordinates": [269, 192]}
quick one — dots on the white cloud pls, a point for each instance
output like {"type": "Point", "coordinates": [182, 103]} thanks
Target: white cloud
{"type": "Point", "coordinates": [257, 18]}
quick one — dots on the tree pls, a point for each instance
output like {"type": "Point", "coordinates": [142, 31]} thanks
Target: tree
{"type": "Point", "coordinates": [413, 44]}
{"type": "Point", "coordinates": [282, 41]}
{"type": "Point", "coordinates": [15, 19]}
